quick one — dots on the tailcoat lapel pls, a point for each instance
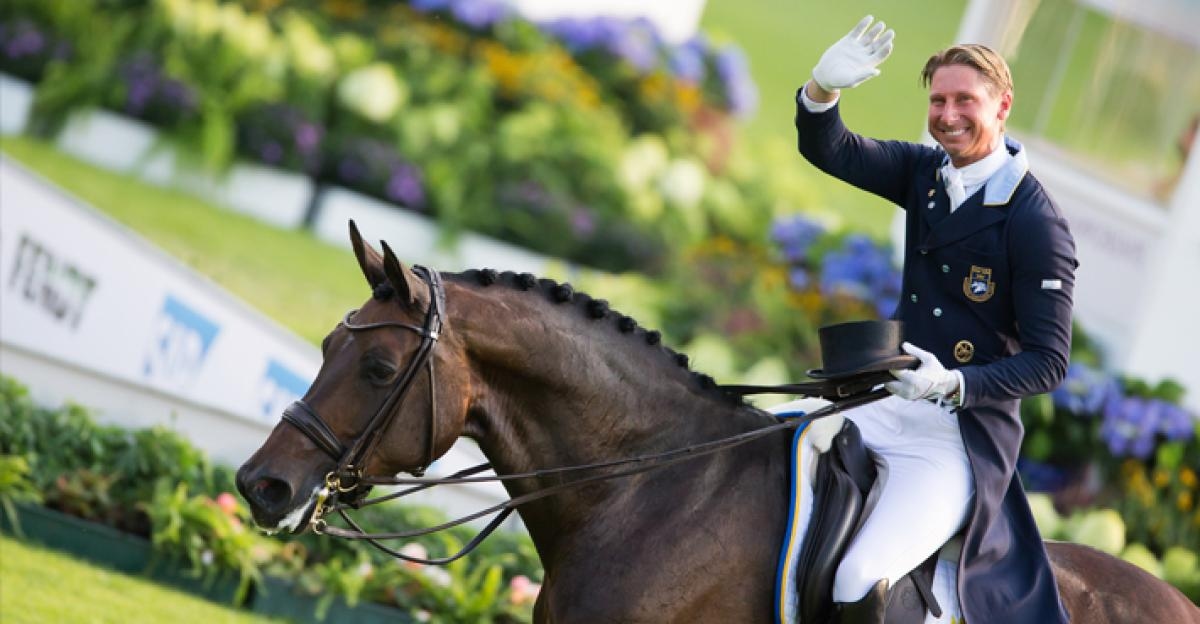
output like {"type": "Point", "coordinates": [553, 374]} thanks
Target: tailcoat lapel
{"type": "Point", "coordinates": [982, 209]}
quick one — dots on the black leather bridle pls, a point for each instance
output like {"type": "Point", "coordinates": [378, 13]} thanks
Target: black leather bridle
{"type": "Point", "coordinates": [347, 476]}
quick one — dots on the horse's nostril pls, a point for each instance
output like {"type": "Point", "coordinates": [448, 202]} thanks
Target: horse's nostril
{"type": "Point", "coordinates": [270, 494]}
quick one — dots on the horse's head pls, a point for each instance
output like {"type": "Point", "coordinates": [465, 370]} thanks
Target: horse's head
{"type": "Point", "coordinates": [373, 408]}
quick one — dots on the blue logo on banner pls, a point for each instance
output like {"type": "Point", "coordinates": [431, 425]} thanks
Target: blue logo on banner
{"type": "Point", "coordinates": [179, 343]}
{"type": "Point", "coordinates": [280, 387]}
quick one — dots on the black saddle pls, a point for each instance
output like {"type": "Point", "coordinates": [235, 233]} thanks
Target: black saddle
{"type": "Point", "coordinates": [846, 488]}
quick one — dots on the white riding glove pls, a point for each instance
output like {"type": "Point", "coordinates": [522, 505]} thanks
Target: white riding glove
{"type": "Point", "coordinates": [929, 380]}
{"type": "Point", "coordinates": [853, 59]}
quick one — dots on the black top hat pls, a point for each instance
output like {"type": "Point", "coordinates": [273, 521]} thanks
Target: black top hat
{"type": "Point", "coordinates": [861, 347]}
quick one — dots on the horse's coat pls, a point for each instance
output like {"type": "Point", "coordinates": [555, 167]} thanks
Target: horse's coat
{"type": "Point", "coordinates": [539, 378]}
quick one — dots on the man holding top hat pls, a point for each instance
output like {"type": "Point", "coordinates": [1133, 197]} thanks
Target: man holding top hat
{"type": "Point", "coordinates": [986, 305]}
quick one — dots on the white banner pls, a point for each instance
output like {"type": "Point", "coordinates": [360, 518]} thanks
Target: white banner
{"type": "Point", "coordinates": [89, 300]}
{"type": "Point", "coordinates": [80, 289]}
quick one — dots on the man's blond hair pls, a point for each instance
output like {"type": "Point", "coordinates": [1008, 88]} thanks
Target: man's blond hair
{"type": "Point", "coordinates": [983, 59]}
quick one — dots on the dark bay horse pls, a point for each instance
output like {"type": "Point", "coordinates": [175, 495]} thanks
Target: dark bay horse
{"type": "Point", "coordinates": [540, 376]}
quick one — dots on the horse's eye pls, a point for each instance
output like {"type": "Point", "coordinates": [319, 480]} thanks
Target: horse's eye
{"type": "Point", "coordinates": [378, 371]}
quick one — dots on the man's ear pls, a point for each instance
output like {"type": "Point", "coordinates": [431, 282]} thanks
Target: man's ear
{"type": "Point", "coordinates": [1006, 100]}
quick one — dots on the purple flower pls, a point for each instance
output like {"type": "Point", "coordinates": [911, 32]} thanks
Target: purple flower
{"type": "Point", "coordinates": [404, 187]}
{"type": "Point", "coordinates": [636, 42]}
{"type": "Point", "coordinates": [376, 167]}
{"type": "Point", "coordinates": [795, 236]}
{"type": "Point", "coordinates": [152, 95]}
{"type": "Point", "coordinates": [741, 94]}
{"type": "Point", "coordinates": [281, 134]}
{"type": "Point", "coordinates": [479, 14]}
{"type": "Point", "coordinates": [1129, 425]}
{"type": "Point", "coordinates": [799, 278]}
{"type": "Point", "coordinates": [430, 5]}
{"type": "Point", "coordinates": [25, 42]}
{"type": "Point", "coordinates": [351, 171]}
{"type": "Point", "coordinates": [581, 35]}
{"type": "Point", "coordinates": [583, 222]}
{"type": "Point", "coordinates": [308, 136]}
{"type": "Point", "coordinates": [863, 270]}
{"type": "Point", "coordinates": [1085, 390]}
{"type": "Point", "coordinates": [687, 60]}
{"type": "Point", "coordinates": [1176, 423]}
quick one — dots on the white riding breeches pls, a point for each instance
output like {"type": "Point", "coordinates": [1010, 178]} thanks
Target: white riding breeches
{"type": "Point", "coordinates": [926, 498]}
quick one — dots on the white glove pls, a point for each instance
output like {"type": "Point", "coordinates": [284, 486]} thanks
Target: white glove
{"type": "Point", "coordinates": [929, 380]}
{"type": "Point", "coordinates": [853, 59]}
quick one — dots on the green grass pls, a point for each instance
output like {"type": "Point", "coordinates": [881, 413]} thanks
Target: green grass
{"type": "Point", "coordinates": [290, 276]}
{"type": "Point", "coordinates": [38, 586]}
{"type": "Point", "coordinates": [783, 40]}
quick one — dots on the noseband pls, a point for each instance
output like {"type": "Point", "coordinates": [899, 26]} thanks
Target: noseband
{"type": "Point", "coordinates": [347, 476]}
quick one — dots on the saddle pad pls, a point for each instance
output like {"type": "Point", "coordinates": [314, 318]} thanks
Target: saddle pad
{"type": "Point", "coordinates": [808, 442]}
{"type": "Point", "coordinates": [800, 503]}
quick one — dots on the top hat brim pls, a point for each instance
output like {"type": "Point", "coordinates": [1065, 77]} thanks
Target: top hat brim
{"type": "Point", "coordinates": [892, 363]}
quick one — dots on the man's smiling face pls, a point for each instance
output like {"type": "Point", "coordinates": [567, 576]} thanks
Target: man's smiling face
{"type": "Point", "coordinates": [965, 116]}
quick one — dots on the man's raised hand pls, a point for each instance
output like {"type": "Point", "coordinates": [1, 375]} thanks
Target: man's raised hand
{"type": "Point", "coordinates": [854, 58]}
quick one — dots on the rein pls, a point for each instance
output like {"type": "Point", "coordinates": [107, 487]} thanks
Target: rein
{"type": "Point", "coordinates": [348, 477]}
{"type": "Point", "coordinates": [632, 466]}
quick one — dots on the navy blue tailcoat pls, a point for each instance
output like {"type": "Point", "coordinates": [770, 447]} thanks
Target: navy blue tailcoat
{"type": "Point", "coordinates": [987, 289]}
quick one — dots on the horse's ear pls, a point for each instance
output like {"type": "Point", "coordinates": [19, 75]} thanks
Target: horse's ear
{"type": "Point", "coordinates": [401, 278]}
{"type": "Point", "coordinates": [369, 260]}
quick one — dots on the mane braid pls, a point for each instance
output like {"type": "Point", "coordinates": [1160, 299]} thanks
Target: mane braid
{"type": "Point", "coordinates": [593, 309]}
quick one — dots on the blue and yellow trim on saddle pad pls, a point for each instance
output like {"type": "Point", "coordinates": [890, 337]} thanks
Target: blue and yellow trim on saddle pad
{"type": "Point", "coordinates": [785, 580]}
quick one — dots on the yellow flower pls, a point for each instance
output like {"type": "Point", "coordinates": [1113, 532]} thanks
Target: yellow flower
{"type": "Point", "coordinates": [687, 97]}
{"type": "Point", "coordinates": [1187, 477]}
{"type": "Point", "coordinates": [1184, 501]}
{"type": "Point", "coordinates": [1161, 478]}
{"type": "Point", "coordinates": [345, 9]}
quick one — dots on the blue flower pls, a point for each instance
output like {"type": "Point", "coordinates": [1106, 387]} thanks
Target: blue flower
{"type": "Point", "coordinates": [1130, 424]}
{"type": "Point", "coordinates": [741, 94]}
{"type": "Point", "coordinates": [636, 42]}
{"type": "Point", "coordinates": [687, 60]}
{"type": "Point", "coordinates": [1085, 390]}
{"type": "Point", "coordinates": [799, 278]}
{"type": "Point", "coordinates": [863, 270]}
{"type": "Point", "coordinates": [479, 14]}
{"type": "Point", "coordinates": [795, 236]}
{"type": "Point", "coordinates": [1176, 423]}
{"type": "Point", "coordinates": [1041, 477]}
{"type": "Point", "coordinates": [430, 5]}
{"type": "Point", "coordinates": [577, 35]}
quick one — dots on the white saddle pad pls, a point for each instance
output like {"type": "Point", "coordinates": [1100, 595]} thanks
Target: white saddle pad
{"type": "Point", "coordinates": [810, 440]}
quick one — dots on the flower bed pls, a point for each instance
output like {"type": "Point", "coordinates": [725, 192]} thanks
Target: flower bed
{"type": "Point", "coordinates": [154, 502]}
{"type": "Point", "coordinates": [457, 109]}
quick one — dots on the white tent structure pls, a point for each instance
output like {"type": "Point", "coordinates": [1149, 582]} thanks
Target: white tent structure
{"type": "Point", "coordinates": [1110, 91]}
{"type": "Point", "coordinates": [676, 20]}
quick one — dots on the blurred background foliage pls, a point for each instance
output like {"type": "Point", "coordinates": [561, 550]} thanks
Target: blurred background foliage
{"type": "Point", "coordinates": [666, 166]}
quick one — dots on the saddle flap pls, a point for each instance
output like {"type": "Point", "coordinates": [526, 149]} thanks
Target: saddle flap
{"type": "Point", "coordinates": [848, 483]}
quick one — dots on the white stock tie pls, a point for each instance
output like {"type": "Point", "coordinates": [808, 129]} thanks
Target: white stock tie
{"type": "Point", "coordinates": [954, 186]}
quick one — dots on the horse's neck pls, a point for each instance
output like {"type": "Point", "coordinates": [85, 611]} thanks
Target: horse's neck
{"type": "Point", "coordinates": [562, 390]}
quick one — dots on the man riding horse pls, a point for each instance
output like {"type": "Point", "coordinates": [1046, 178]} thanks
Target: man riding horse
{"type": "Point", "coordinates": [988, 277]}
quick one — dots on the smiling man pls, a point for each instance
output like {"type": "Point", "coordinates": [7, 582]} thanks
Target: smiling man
{"type": "Point", "coordinates": [988, 279]}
